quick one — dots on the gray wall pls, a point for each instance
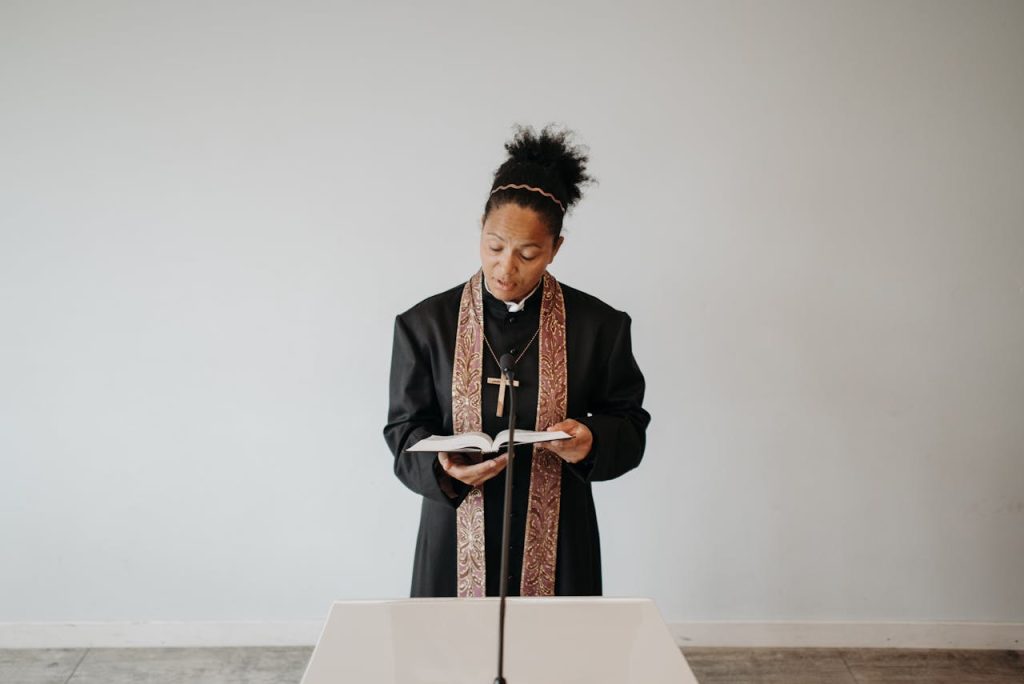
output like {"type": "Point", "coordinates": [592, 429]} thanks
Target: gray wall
{"type": "Point", "coordinates": [211, 212]}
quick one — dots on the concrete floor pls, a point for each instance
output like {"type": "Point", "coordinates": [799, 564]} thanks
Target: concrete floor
{"type": "Point", "coordinates": [711, 665]}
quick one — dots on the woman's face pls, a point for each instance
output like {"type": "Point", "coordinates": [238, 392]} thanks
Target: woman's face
{"type": "Point", "coordinates": [515, 249]}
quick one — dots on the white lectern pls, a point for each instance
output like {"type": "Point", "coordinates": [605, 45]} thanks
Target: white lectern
{"type": "Point", "coordinates": [455, 641]}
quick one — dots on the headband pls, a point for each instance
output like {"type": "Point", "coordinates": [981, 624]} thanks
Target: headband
{"type": "Point", "coordinates": [523, 186]}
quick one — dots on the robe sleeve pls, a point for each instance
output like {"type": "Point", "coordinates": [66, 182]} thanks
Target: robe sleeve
{"type": "Point", "coordinates": [618, 421]}
{"type": "Point", "coordinates": [413, 413]}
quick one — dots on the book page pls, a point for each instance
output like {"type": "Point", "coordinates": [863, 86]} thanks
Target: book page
{"type": "Point", "coordinates": [467, 441]}
{"type": "Point", "coordinates": [529, 437]}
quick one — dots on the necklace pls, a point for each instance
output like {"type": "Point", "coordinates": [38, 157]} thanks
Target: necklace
{"type": "Point", "coordinates": [502, 381]}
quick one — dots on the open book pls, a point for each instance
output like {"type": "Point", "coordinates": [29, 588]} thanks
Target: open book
{"type": "Point", "coordinates": [479, 442]}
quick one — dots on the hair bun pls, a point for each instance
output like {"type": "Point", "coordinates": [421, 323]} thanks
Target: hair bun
{"type": "Point", "coordinates": [553, 150]}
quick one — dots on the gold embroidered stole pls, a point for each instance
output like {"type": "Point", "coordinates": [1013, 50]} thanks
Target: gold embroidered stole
{"type": "Point", "coordinates": [541, 543]}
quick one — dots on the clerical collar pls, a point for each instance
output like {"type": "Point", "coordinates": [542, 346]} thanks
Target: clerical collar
{"type": "Point", "coordinates": [513, 307]}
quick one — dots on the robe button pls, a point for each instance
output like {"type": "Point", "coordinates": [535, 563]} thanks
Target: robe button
{"type": "Point", "coordinates": [511, 319]}
{"type": "Point", "coordinates": [513, 351]}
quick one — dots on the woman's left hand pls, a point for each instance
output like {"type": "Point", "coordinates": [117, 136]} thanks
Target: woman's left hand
{"type": "Point", "coordinates": [571, 450]}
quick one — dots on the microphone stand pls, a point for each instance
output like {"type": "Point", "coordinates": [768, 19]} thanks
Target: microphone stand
{"type": "Point", "coordinates": [506, 364]}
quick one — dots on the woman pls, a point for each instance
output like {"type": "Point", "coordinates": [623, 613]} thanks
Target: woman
{"type": "Point", "coordinates": [575, 372]}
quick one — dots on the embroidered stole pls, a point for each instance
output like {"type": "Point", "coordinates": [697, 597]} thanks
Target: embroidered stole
{"type": "Point", "coordinates": [540, 547]}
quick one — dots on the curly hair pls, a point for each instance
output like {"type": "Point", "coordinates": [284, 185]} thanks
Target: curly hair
{"type": "Point", "coordinates": [548, 161]}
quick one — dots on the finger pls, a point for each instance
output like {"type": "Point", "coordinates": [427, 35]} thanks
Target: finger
{"type": "Point", "coordinates": [491, 466]}
{"type": "Point", "coordinates": [457, 465]}
{"type": "Point", "coordinates": [559, 444]}
{"type": "Point", "coordinates": [454, 458]}
{"type": "Point", "coordinates": [496, 465]}
{"type": "Point", "coordinates": [568, 426]}
{"type": "Point", "coordinates": [488, 468]}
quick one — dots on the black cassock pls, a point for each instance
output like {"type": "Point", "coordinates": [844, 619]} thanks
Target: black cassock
{"type": "Point", "coordinates": [606, 389]}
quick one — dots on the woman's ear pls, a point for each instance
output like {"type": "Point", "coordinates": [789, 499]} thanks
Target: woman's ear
{"type": "Point", "coordinates": [558, 243]}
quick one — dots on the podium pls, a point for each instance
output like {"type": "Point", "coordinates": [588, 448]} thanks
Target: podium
{"type": "Point", "coordinates": [454, 641]}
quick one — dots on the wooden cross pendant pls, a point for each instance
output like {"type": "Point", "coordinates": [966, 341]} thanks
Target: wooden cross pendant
{"type": "Point", "coordinates": [502, 383]}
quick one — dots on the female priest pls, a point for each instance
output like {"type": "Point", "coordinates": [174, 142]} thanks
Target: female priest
{"type": "Point", "coordinates": [574, 371]}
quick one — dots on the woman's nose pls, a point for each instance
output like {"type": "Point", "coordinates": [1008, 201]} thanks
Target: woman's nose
{"type": "Point", "coordinates": [507, 262]}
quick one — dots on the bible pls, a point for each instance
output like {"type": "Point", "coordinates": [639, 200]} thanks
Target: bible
{"type": "Point", "coordinates": [481, 443]}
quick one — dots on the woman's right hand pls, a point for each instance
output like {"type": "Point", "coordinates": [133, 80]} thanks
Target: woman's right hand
{"type": "Point", "coordinates": [468, 468]}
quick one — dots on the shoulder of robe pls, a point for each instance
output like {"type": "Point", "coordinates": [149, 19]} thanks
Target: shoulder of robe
{"type": "Point", "coordinates": [442, 302]}
{"type": "Point", "coordinates": [580, 303]}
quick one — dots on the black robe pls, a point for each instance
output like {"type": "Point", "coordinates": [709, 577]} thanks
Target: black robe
{"type": "Point", "coordinates": [606, 390]}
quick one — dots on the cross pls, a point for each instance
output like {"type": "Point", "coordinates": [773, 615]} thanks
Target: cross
{"type": "Point", "coordinates": [502, 383]}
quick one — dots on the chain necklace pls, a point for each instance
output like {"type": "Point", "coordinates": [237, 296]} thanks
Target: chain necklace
{"type": "Point", "coordinates": [502, 381]}
{"type": "Point", "coordinates": [490, 349]}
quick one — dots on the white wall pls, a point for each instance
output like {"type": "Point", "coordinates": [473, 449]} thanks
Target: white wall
{"type": "Point", "coordinates": [211, 212]}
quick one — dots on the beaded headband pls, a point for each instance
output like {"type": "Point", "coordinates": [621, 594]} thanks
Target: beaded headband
{"type": "Point", "coordinates": [522, 186]}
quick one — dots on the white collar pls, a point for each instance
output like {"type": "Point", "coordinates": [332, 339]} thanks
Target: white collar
{"type": "Point", "coordinates": [513, 307]}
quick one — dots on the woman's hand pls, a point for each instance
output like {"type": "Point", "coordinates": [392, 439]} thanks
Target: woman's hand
{"type": "Point", "coordinates": [575, 449]}
{"type": "Point", "coordinates": [468, 468]}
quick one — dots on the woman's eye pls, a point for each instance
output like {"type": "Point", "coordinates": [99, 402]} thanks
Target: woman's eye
{"type": "Point", "coordinates": [495, 249]}
{"type": "Point", "coordinates": [528, 257]}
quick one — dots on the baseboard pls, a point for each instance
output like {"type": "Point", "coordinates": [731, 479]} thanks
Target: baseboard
{"type": "Point", "coordinates": [950, 635]}
{"type": "Point", "coordinates": [157, 634]}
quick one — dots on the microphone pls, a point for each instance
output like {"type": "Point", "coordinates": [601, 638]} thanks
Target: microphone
{"type": "Point", "coordinates": [506, 362]}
